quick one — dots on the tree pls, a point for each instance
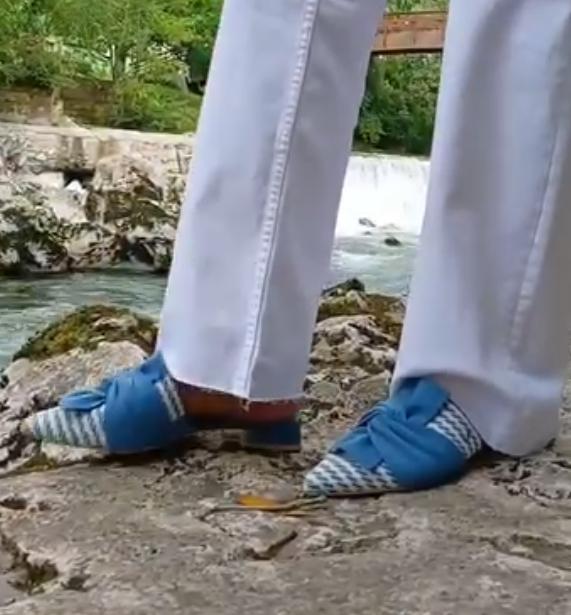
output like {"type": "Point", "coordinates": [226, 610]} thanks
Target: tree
{"type": "Point", "coordinates": [126, 38]}
{"type": "Point", "coordinates": [144, 50]}
{"type": "Point", "coordinates": [400, 98]}
{"type": "Point", "coordinates": [26, 52]}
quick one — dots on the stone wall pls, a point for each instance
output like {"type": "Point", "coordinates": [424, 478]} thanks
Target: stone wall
{"type": "Point", "coordinates": [55, 148]}
{"type": "Point", "coordinates": [87, 104]}
{"type": "Point", "coordinates": [73, 198]}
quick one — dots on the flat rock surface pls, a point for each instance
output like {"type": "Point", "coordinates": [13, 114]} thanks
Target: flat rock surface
{"type": "Point", "coordinates": [142, 536]}
{"type": "Point", "coordinates": [118, 538]}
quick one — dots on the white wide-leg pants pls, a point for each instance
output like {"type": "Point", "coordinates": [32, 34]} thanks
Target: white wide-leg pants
{"type": "Point", "coordinates": [490, 304]}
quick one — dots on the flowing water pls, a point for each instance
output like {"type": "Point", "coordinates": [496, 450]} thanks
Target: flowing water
{"type": "Point", "coordinates": [383, 199]}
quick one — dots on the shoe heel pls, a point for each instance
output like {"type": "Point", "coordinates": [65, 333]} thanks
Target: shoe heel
{"type": "Point", "coordinates": [278, 437]}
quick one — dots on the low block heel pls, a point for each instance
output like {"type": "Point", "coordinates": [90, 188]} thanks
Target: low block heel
{"type": "Point", "coordinates": [278, 437]}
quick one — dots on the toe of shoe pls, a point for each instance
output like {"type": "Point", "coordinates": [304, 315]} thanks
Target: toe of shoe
{"type": "Point", "coordinates": [335, 476]}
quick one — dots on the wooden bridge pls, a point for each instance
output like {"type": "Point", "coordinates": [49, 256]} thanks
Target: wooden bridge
{"type": "Point", "coordinates": [420, 32]}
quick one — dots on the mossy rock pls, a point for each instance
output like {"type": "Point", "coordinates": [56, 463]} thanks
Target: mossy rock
{"type": "Point", "coordinates": [86, 328]}
{"type": "Point", "coordinates": [388, 311]}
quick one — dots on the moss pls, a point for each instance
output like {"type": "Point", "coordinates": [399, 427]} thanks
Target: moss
{"type": "Point", "coordinates": [388, 311]}
{"type": "Point", "coordinates": [86, 328]}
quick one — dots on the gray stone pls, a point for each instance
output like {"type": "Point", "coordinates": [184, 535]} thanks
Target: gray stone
{"type": "Point", "coordinates": [124, 211]}
{"type": "Point", "coordinates": [31, 238]}
{"type": "Point", "coordinates": [100, 536]}
{"type": "Point", "coordinates": [392, 242]}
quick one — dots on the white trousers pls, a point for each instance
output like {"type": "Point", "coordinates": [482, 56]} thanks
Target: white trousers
{"type": "Point", "coordinates": [489, 309]}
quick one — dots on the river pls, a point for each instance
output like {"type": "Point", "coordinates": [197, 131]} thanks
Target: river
{"type": "Point", "coordinates": [383, 198]}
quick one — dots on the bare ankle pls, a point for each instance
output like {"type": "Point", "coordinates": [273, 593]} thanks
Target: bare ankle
{"type": "Point", "coordinates": [202, 403]}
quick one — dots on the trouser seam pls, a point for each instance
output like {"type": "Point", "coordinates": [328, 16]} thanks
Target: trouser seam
{"type": "Point", "coordinates": [274, 203]}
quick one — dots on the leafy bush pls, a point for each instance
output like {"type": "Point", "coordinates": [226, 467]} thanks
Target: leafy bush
{"type": "Point", "coordinates": [156, 107]}
{"type": "Point", "coordinates": [141, 48]}
{"type": "Point", "coordinates": [400, 103]}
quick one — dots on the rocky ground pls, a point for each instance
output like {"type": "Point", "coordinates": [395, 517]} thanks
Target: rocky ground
{"type": "Point", "coordinates": [77, 199]}
{"type": "Point", "coordinates": [84, 534]}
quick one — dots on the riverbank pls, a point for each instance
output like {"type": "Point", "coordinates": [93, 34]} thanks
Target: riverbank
{"type": "Point", "coordinates": [86, 213]}
{"type": "Point", "coordinates": [27, 303]}
{"type": "Point", "coordinates": [77, 199]}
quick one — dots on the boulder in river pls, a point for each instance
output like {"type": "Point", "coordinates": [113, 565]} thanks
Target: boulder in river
{"type": "Point", "coordinates": [392, 242]}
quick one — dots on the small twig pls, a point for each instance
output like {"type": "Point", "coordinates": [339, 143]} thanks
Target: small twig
{"type": "Point", "coordinates": [293, 508]}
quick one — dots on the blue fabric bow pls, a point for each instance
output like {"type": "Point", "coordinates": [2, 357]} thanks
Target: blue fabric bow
{"type": "Point", "coordinates": [395, 433]}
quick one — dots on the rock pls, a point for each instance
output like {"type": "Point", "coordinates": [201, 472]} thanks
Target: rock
{"type": "Point", "coordinates": [154, 252]}
{"type": "Point", "coordinates": [60, 456]}
{"type": "Point", "coordinates": [392, 242]}
{"type": "Point", "coordinates": [262, 538]}
{"type": "Point", "coordinates": [132, 199]}
{"type": "Point", "coordinates": [367, 223]}
{"type": "Point", "coordinates": [43, 381]}
{"type": "Point", "coordinates": [125, 192]}
{"type": "Point", "coordinates": [343, 288]}
{"type": "Point", "coordinates": [322, 391]}
{"type": "Point", "coordinates": [86, 328]}
{"type": "Point", "coordinates": [92, 246]}
{"type": "Point", "coordinates": [102, 536]}
{"type": "Point", "coordinates": [31, 239]}
{"type": "Point", "coordinates": [31, 236]}
{"type": "Point", "coordinates": [75, 208]}
{"type": "Point", "coordinates": [372, 389]}
{"type": "Point", "coordinates": [49, 180]}
{"type": "Point", "coordinates": [351, 348]}
{"type": "Point", "coordinates": [387, 311]}
{"type": "Point", "coordinates": [351, 303]}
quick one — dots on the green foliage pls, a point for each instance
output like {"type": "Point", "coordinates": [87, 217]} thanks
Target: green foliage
{"type": "Point", "coordinates": [155, 107]}
{"type": "Point", "coordinates": [406, 6]}
{"type": "Point", "coordinates": [127, 38]}
{"type": "Point", "coordinates": [26, 54]}
{"type": "Point", "coordinates": [399, 106]}
{"type": "Point", "coordinates": [145, 50]}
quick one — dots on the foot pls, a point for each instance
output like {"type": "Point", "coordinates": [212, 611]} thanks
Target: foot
{"type": "Point", "coordinates": [416, 440]}
{"type": "Point", "coordinates": [145, 409]}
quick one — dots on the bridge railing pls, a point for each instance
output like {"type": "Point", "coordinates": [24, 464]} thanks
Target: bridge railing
{"type": "Point", "coordinates": [419, 32]}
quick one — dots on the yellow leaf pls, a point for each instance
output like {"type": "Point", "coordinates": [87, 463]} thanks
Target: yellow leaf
{"type": "Point", "coordinates": [258, 502]}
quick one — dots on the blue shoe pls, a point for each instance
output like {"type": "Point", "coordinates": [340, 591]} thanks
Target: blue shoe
{"type": "Point", "coordinates": [418, 439]}
{"type": "Point", "coordinates": [137, 411]}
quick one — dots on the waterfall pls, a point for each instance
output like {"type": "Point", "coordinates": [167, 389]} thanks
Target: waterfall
{"type": "Point", "coordinates": [383, 196]}
{"type": "Point", "coordinates": [384, 191]}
